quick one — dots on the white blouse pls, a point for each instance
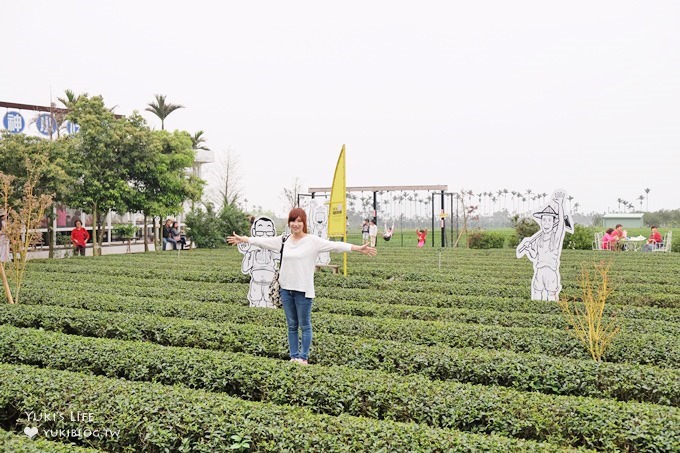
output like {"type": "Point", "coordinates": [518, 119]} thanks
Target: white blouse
{"type": "Point", "coordinates": [299, 259]}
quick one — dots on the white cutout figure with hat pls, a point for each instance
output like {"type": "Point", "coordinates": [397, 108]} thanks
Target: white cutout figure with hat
{"type": "Point", "coordinates": [544, 248]}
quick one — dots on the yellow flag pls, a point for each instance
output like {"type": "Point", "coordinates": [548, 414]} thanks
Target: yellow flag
{"type": "Point", "coordinates": [337, 212]}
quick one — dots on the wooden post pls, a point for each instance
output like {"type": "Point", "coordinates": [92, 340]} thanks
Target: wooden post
{"type": "Point", "coordinates": [5, 284]}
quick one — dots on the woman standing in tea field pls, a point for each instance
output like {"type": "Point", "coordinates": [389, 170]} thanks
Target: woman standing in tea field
{"type": "Point", "coordinates": [296, 275]}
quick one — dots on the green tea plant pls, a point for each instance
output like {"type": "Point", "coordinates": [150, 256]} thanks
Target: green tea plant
{"type": "Point", "coordinates": [240, 443]}
{"type": "Point", "coordinates": [589, 324]}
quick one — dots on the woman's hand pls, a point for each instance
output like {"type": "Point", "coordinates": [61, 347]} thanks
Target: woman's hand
{"type": "Point", "coordinates": [365, 249]}
{"type": "Point", "coordinates": [235, 239]}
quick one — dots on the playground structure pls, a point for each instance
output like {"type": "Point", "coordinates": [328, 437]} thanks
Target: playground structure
{"type": "Point", "coordinates": [436, 191]}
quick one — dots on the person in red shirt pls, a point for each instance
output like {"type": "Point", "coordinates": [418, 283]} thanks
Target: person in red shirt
{"type": "Point", "coordinates": [79, 238]}
{"type": "Point", "coordinates": [619, 235]}
{"type": "Point", "coordinates": [654, 240]}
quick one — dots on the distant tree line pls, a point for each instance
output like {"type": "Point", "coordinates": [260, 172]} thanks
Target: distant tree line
{"type": "Point", "coordinates": [666, 218]}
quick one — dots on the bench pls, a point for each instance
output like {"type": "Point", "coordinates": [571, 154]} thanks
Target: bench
{"type": "Point", "coordinates": [188, 244]}
{"type": "Point", "coordinates": [335, 268]}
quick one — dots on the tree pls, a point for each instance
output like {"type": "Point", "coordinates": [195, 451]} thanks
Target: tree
{"type": "Point", "coordinates": [229, 178]}
{"type": "Point", "coordinates": [290, 194]}
{"type": "Point", "coordinates": [162, 109]}
{"type": "Point", "coordinates": [208, 228]}
{"type": "Point", "coordinates": [160, 180]}
{"type": "Point", "coordinates": [647, 190]}
{"type": "Point", "coordinates": [102, 155]}
{"type": "Point", "coordinates": [198, 144]}
{"type": "Point", "coordinates": [469, 212]}
{"type": "Point", "coordinates": [16, 150]}
{"type": "Point", "coordinates": [21, 220]}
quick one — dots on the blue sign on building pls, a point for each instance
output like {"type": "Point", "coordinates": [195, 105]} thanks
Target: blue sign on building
{"type": "Point", "coordinates": [46, 124]}
{"type": "Point", "coordinates": [72, 127]}
{"type": "Point", "coordinates": [13, 122]}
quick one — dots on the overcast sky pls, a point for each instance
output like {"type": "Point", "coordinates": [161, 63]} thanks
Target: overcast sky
{"type": "Point", "coordinates": [483, 95]}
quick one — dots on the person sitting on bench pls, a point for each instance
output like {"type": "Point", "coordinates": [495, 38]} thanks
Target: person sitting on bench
{"type": "Point", "coordinates": [177, 236]}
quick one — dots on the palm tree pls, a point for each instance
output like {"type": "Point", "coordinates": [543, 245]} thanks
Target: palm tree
{"type": "Point", "coordinates": [620, 201]}
{"type": "Point", "coordinates": [528, 197]}
{"type": "Point", "coordinates": [641, 198]}
{"type": "Point", "coordinates": [70, 99]}
{"type": "Point", "coordinates": [647, 190]}
{"type": "Point", "coordinates": [576, 205]}
{"type": "Point", "coordinates": [162, 109]}
{"type": "Point", "coordinates": [198, 140]}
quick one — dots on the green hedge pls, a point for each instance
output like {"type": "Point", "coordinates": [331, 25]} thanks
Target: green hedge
{"type": "Point", "coordinates": [486, 240]}
{"type": "Point", "coordinates": [656, 291]}
{"type": "Point", "coordinates": [653, 349]}
{"type": "Point", "coordinates": [530, 372]}
{"type": "Point", "coordinates": [247, 375]}
{"type": "Point", "coordinates": [155, 417]}
{"type": "Point", "coordinates": [166, 306]}
{"type": "Point", "coordinates": [47, 288]}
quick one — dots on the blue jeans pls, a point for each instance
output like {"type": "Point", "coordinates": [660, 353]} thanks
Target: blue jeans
{"type": "Point", "coordinates": [170, 241]}
{"type": "Point", "coordinates": [298, 310]}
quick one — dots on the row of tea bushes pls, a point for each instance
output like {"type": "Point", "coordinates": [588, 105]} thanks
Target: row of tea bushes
{"type": "Point", "coordinates": [629, 290]}
{"type": "Point", "coordinates": [262, 378]}
{"type": "Point", "coordinates": [642, 349]}
{"type": "Point", "coordinates": [236, 312]}
{"type": "Point", "coordinates": [527, 372]}
{"type": "Point", "coordinates": [156, 417]}
{"type": "Point", "coordinates": [420, 306]}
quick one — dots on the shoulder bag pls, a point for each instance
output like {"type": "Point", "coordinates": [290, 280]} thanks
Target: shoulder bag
{"type": "Point", "coordinates": [274, 286]}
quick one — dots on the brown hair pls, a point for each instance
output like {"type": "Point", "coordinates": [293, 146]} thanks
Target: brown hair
{"type": "Point", "coordinates": [610, 230]}
{"type": "Point", "coordinates": [298, 212]}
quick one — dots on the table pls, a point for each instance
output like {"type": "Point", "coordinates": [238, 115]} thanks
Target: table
{"type": "Point", "coordinates": [633, 244]}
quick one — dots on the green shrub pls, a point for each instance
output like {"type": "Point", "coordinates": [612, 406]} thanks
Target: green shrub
{"type": "Point", "coordinates": [208, 228]}
{"type": "Point", "coordinates": [125, 230]}
{"type": "Point", "coordinates": [156, 418]}
{"type": "Point", "coordinates": [524, 228]}
{"type": "Point", "coordinates": [581, 239]}
{"type": "Point", "coordinates": [257, 330]}
{"type": "Point", "coordinates": [485, 240]}
{"type": "Point", "coordinates": [246, 375]}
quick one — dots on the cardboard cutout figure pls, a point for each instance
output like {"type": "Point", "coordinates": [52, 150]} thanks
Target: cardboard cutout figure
{"type": "Point", "coordinates": [259, 263]}
{"type": "Point", "coordinates": [544, 248]}
{"type": "Point", "coordinates": [317, 224]}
